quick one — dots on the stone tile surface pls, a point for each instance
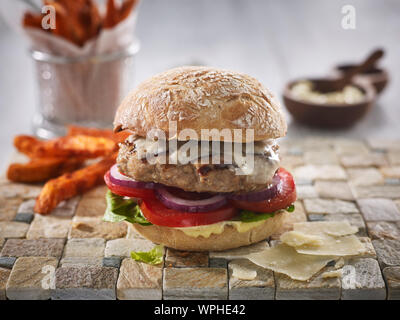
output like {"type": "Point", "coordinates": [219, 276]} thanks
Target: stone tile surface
{"type": "Point", "coordinates": [355, 219]}
{"type": "Point", "coordinates": [48, 227]}
{"type": "Point", "coordinates": [27, 206]}
{"type": "Point", "coordinates": [84, 248]}
{"type": "Point", "coordinates": [391, 172]}
{"type": "Point", "coordinates": [394, 158]}
{"type": "Point", "coordinates": [175, 258]}
{"type": "Point", "coordinates": [114, 262]}
{"type": "Point", "coordinates": [32, 278]}
{"type": "Point", "coordinates": [333, 190]}
{"type": "Point", "coordinates": [383, 144]}
{"type": "Point", "coordinates": [24, 217]}
{"type": "Point", "coordinates": [9, 208]}
{"type": "Point", "coordinates": [369, 248]}
{"type": "Point", "coordinates": [91, 207]}
{"type": "Point", "coordinates": [290, 161]}
{"type": "Point", "coordinates": [12, 229]}
{"type": "Point", "coordinates": [363, 160]}
{"type": "Point", "coordinates": [33, 248]}
{"type": "Point", "coordinates": [19, 190]}
{"type": "Point", "coordinates": [66, 208]}
{"type": "Point", "coordinates": [7, 262]}
{"type": "Point", "coordinates": [85, 283]}
{"type": "Point", "coordinates": [90, 227]}
{"type": "Point", "coordinates": [328, 206]}
{"type": "Point", "coordinates": [317, 288]}
{"type": "Point", "coordinates": [349, 146]}
{"type": "Point", "coordinates": [392, 277]}
{"type": "Point", "coordinates": [81, 262]}
{"type": "Point", "coordinates": [388, 252]}
{"type": "Point", "coordinates": [321, 172]}
{"type": "Point", "coordinates": [195, 283]}
{"type": "Point", "coordinates": [239, 252]}
{"type": "Point", "coordinates": [362, 280]}
{"type": "Point", "coordinates": [383, 230]}
{"type": "Point", "coordinates": [139, 281]}
{"type": "Point", "coordinates": [260, 288]}
{"type": "Point", "coordinates": [123, 247]}
{"type": "Point", "coordinates": [365, 176]}
{"type": "Point", "coordinates": [306, 192]}
{"type": "Point", "coordinates": [4, 275]}
{"type": "Point", "coordinates": [384, 191]}
{"type": "Point", "coordinates": [379, 209]}
{"type": "Point", "coordinates": [321, 157]}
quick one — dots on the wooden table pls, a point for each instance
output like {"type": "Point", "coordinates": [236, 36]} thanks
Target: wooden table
{"type": "Point", "coordinates": [271, 40]}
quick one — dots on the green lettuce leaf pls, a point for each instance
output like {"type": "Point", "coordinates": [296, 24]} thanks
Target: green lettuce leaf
{"type": "Point", "coordinates": [290, 208]}
{"type": "Point", "coordinates": [120, 209]}
{"type": "Point", "coordinates": [250, 216]}
{"type": "Point", "coordinates": [154, 256]}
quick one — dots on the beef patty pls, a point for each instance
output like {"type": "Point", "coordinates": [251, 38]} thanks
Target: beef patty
{"type": "Point", "coordinates": [195, 176]}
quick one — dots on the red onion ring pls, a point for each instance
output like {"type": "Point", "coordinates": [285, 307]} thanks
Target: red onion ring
{"type": "Point", "coordinates": [120, 179]}
{"type": "Point", "coordinates": [176, 203]}
{"type": "Point", "coordinates": [261, 195]}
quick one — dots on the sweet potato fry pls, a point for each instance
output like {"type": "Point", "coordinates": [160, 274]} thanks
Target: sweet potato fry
{"type": "Point", "coordinates": [111, 17]}
{"type": "Point", "coordinates": [80, 146]}
{"type": "Point", "coordinates": [26, 144]}
{"type": "Point", "coordinates": [32, 20]}
{"type": "Point", "coordinates": [126, 9]}
{"type": "Point", "coordinates": [42, 169]}
{"type": "Point", "coordinates": [94, 132]}
{"type": "Point", "coordinates": [72, 184]}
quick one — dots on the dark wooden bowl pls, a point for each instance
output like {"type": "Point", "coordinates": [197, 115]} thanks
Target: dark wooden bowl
{"type": "Point", "coordinates": [379, 77]}
{"type": "Point", "coordinates": [332, 115]}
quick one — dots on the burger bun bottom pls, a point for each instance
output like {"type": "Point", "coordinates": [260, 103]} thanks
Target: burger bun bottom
{"type": "Point", "coordinates": [230, 238]}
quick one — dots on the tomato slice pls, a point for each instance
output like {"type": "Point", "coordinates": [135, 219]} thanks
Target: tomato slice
{"type": "Point", "coordinates": [158, 214]}
{"type": "Point", "coordinates": [285, 197]}
{"type": "Point", "coordinates": [127, 191]}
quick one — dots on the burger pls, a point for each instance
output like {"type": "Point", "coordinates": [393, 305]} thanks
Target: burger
{"type": "Point", "coordinates": [200, 169]}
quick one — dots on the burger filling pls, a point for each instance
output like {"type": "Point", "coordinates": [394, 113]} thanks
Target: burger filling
{"type": "Point", "coordinates": [199, 198]}
{"type": "Point", "coordinates": [224, 168]}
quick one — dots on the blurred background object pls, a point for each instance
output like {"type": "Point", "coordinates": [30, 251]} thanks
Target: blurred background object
{"type": "Point", "coordinates": [334, 101]}
{"type": "Point", "coordinates": [83, 55]}
{"type": "Point", "coordinates": [274, 41]}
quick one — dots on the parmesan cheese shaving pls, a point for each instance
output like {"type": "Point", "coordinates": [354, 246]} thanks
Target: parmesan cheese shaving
{"type": "Point", "coordinates": [339, 264]}
{"type": "Point", "coordinates": [242, 273]}
{"type": "Point", "coordinates": [285, 259]}
{"type": "Point", "coordinates": [332, 228]}
{"type": "Point", "coordinates": [296, 239]}
{"type": "Point", "coordinates": [343, 246]}
{"type": "Point", "coordinates": [332, 274]}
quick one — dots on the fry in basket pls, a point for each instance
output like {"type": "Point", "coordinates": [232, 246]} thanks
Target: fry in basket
{"type": "Point", "coordinates": [126, 8]}
{"type": "Point", "coordinates": [32, 21]}
{"type": "Point", "coordinates": [71, 184]}
{"type": "Point", "coordinates": [70, 146]}
{"type": "Point", "coordinates": [94, 132]}
{"type": "Point", "coordinates": [111, 17]}
{"type": "Point", "coordinates": [42, 169]}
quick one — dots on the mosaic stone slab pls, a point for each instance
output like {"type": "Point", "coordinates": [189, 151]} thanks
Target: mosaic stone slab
{"type": "Point", "coordinates": [86, 258]}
